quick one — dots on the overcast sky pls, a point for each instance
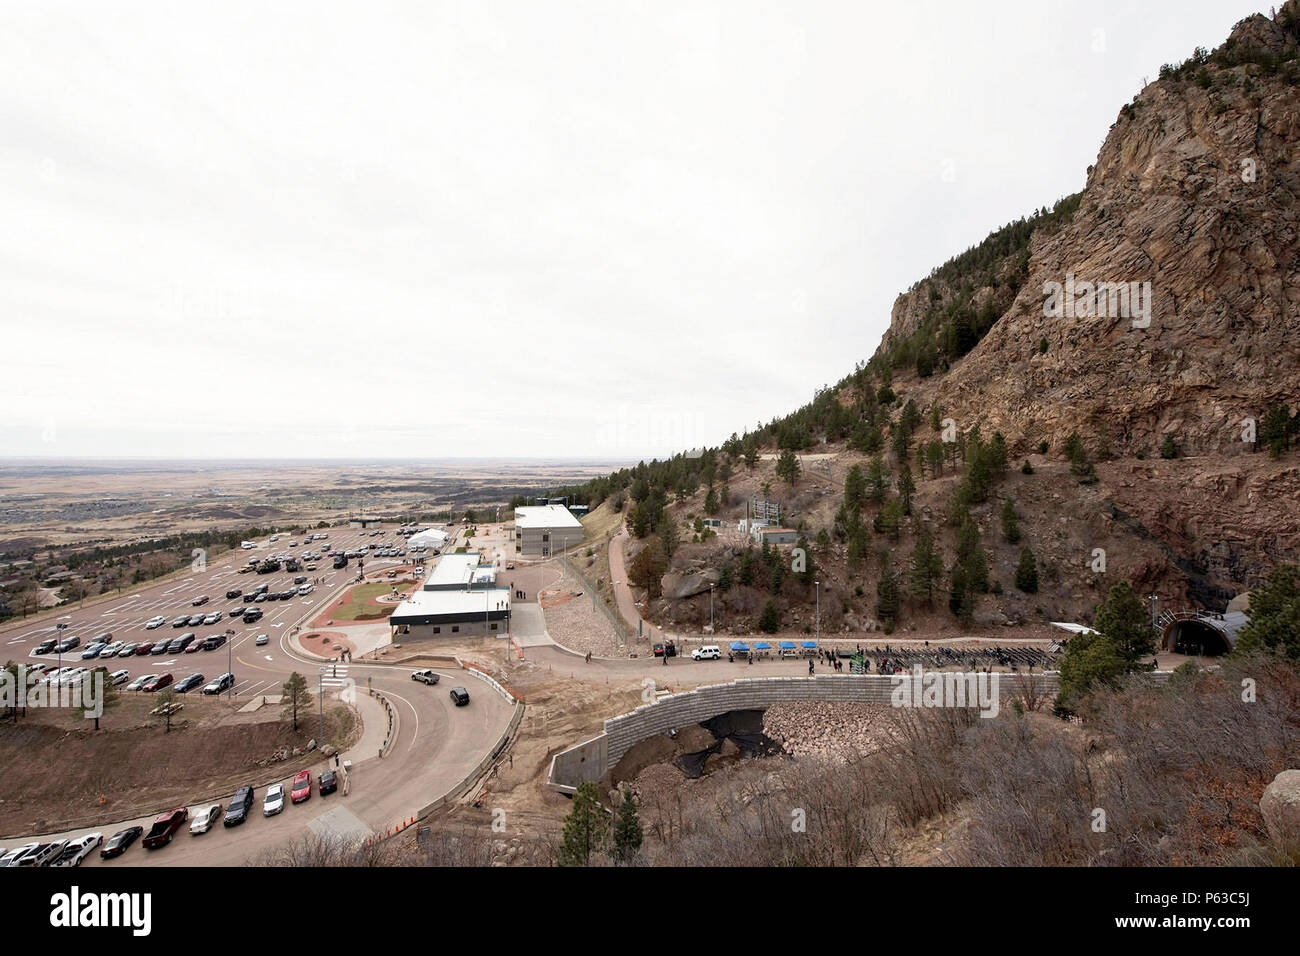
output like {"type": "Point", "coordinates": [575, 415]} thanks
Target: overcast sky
{"type": "Point", "coordinates": [546, 229]}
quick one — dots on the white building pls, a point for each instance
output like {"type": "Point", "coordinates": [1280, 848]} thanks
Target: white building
{"type": "Point", "coordinates": [543, 530]}
{"type": "Point", "coordinates": [459, 597]}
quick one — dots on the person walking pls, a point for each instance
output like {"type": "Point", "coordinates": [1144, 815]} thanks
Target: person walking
{"type": "Point", "coordinates": [810, 667]}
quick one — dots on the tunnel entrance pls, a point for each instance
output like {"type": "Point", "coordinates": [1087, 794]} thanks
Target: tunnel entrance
{"type": "Point", "coordinates": [1195, 638]}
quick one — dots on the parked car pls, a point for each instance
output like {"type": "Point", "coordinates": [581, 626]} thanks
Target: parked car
{"type": "Point", "coordinates": [262, 640]}
{"type": "Point", "coordinates": [709, 652]}
{"type": "Point", "coordinates": [179, 644]}
{"type": "Point", "coordinates": [252, 614]}
{"type": "Point", "coordinates": [181, 621]}
{"type": "Point", "coordinates": [327, 782]}
{"type": "Point", "coordinates": [77, 849]}
{"type": "Point", "coordinates": [273, 802]}
{"type": "Point", "coordinates": [160, 648]}
{"type": "Point", "coordinates": [213, 641]}
{"type": "Point", "coordinates": [211, 619]}
{"type": "Point", "coordinates": [187, 684]}
{"type": "Point", "coordinates": [165, 827]}
{"type": "Point", "coordinates": [301, 789]}
{"type": "Point", "coordinates": [146, 647]}
{"type": "Point", "coordinates": [119, 677]}
{"type": "Point", "coordinates": [157, 683]}
{"type": "Point", "coordinates": [112, 649]}
{"type": "Point", "coordinates": [17, 853]}
{"type": "Point", "coordinates": [240, 804]}
{"type": "Point", "coordinates": [194, 648]}
{"type": "Point", "coordinates": [68, 643]}
{"type": "Point", "coordinates": [197, 620]}
{"type": "Point", "coordinates": [139, 682]}
{"type": "Point", "coordinates": [92, 651]}
{"type": "Point", "coordinates": [234, 594]}
{"type": "Point", "coordinates": [459, 696]}
{"type": "Point", "coordinates": [119, 842]}
{"type": "Point", "coordinates": [425, 677]}
{"type": "Point", "coordinates": [153, 622]}
{"type": "Point", "coordinates": [47, 647]}
{"type": "Point", "coordinates": [238, 611]}
{"type": "Point", "coordinates": [204, 817]}
{"type": "Point", "coordinates": [128, 649]}
{"type": "Point", "coordinates": [219, 685]}
{"type": "Point", "coordinates": [199, 601]}
{"type": "Point", "coordinates": [43, 855]}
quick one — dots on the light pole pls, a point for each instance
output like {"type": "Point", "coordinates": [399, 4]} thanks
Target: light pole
{"type": "Point", "coordinates": [711, 586]}
{"type": "Point", "coordinates": [59, 647]}
{"type": "Point", "coordinates": [230, 662]}
{"type": "Point", "coordinates": [818, 586]}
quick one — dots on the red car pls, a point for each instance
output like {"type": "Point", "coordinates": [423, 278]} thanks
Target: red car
{"type": "Point", "coordinates": [143, 649]}
{"type": "Point", "coordinates": [301, 787]}
{"type": "Point", "coordinates": [165, 827]}
{"type": "Point", "coordinates": [157, 683]}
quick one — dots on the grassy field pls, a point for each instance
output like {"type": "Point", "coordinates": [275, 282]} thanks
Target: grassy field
{"type": "Point", "coordinates": [357, 604]}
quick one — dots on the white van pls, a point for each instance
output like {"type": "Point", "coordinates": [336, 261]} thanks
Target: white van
{"type": "Point", "coordinates": [709, 652]}
{"type": "Point", "coordinates": [247, 545]}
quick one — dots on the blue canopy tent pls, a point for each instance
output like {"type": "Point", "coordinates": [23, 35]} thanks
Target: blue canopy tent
{"type": "Point", "coordinates": [812, 644]}
{"type": "Point", "coordinates": [786, 645]}
{"type": "Point", "coordinates": [762, 646]}
{"type": "Point", "coordinates": [739, 646]}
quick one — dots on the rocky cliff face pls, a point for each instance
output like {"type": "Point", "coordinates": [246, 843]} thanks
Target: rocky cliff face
{"type": "Point", "coordinates": [1195, 197]}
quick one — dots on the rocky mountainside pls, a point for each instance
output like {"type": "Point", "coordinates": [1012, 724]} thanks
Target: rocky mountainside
{"type": "Point", "coordinates": [1135, 348]}
{"type": "Point", "coordinates": [1196, 191]}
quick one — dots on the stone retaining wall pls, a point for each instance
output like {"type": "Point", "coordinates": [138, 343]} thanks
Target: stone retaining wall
{"type": "Point", "coordinates": [592, 759]}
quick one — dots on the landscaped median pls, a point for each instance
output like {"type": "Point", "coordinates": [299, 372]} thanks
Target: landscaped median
{"type": "Point", "coordinates": [358, 603]}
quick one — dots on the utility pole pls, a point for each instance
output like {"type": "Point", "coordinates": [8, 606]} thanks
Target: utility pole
{"type": "Point", "coordinates": [818, 586]}
{"type": "Point", "coordinates": [711, 608]}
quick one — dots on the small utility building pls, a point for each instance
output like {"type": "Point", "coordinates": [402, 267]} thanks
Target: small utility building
{"type": "Point", "coordinates": [543, 530]}
{"type": "Point", "coordinates": [459, 597]}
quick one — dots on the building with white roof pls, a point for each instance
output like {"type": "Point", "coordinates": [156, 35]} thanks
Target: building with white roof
{"type": "Point", "coordinates": [459, 597]}
{"type": "Point", "coordinates": [543, 530]}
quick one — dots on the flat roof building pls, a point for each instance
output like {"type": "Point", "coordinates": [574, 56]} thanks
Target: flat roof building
{"type": "Point", "coordinates": [543, 530]}
{"type": "Point", "coordinates": [458, 597]}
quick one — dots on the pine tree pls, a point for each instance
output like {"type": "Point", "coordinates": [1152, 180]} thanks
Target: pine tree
{"type": "Point", "coordinates": [1010, 523]}
{"type": "Point", "coordinates": [887, 597]}
{"type": "Point", "coordinates": [926, 569]}
{"type": "Point", "coordinates": [957, 590]}
{"type": "Point", "coordinates": [1123, 621]}
{"type": "Point", "coordinates": [710, 502]}
{"type": "Point", "coordinates": [855, 489]}
{"type": "Point", "coordinates": [294, 697]}
{"type": "Point", "coordinates": [1274, 616]}
{"type": "Point", "coordinates": [668, 536]}
{"type": "Point", "coordinates": [877, 480]}
{"type": "Point", "coordinates": [970, 555]}
{"type": "Point", "coordinates": [769, 621]}
{"type": "Point", "coordinates": [627, 830]}
{"type": "Point", "coordinates": [584, 828]}
{"type": "Point", "coordinates": [787, 467]}
{"type": "Point", "coordinates": [1027, 572]}
{"type": "Point", "coordinates": [906, 486]}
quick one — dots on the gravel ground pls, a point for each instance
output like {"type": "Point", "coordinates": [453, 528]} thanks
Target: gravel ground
{"type": "Point", "coordinates": [816, 728]}
{"type": "Point", "coordinates": [576, 624]}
